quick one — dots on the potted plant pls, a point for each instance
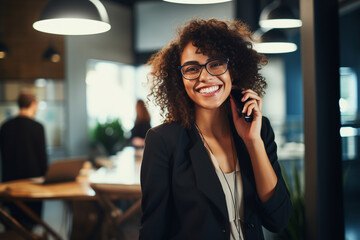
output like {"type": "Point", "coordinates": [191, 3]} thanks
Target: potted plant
{"type": "Point", "coordinates": [295, 229]}
{"type": "Point", "coordinates": [109, 135]}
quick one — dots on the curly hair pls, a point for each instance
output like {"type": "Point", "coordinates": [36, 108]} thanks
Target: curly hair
{"type": "Point", "coordinates": [228, 39]}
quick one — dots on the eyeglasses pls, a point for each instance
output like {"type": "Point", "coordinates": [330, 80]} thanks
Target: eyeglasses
{"type": "Point", "coordinates": [214, 67]}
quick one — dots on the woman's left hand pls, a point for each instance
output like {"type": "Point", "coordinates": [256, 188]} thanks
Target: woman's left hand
{"type": "Point", "coordinates": [248, 131]}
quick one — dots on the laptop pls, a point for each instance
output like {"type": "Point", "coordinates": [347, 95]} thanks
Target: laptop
{"type": "Point", "coordinates": [62, 171]}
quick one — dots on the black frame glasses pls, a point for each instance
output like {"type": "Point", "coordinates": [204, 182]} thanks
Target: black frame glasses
{"type": "Point", "coordinates": [195, 70]}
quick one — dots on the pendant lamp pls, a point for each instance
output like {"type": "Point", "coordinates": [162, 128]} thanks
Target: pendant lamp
{"type": "Point", "coordinates": [73, 17]}
{"type": "Point", "coordinates": [197, 1]}
{"type": "Point", "coordinates": [273, 41]}
{"type": "Point", "coordinates": [4, 50]}
{"type": "Point", "coordinates": [278, 15]}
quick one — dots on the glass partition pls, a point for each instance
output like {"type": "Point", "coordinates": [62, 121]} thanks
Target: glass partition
{"type": "Point", "coordinates": [350, 117]}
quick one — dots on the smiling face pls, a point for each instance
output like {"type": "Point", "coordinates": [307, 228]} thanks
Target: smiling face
{"type": "Point", "coordinates": [206, 91]}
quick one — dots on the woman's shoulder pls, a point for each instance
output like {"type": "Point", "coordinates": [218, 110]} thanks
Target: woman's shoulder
{"type": "Point", "coordinates": [166, 135]}
{"type": "Point", "coordinates": [168, 128]}
{"type": "Point", "coordinates": [168, 132]}
{"type": "Point", "coordinates": [266, 121]}
{"type": "Point", "coordinates": [267, 132]}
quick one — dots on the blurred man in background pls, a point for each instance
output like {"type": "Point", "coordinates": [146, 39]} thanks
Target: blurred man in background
{"type": "Point", "coordinates": [23, 151]}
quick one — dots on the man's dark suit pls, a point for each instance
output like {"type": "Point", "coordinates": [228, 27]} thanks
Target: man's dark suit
{"type": "Point", "coordinates": [23, 155]}
{"type": "Point", "coordinates": [183, 197]}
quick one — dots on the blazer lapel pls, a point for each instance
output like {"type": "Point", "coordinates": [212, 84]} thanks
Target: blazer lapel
{"type": "Point", "coordinates": [206, 179]}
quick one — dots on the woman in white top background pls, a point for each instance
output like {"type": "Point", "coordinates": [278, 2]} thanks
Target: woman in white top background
{"type": "Point", "coordinates": [207, 172]}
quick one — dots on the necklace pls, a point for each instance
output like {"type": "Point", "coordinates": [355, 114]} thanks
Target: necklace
{"type": "Point", "coordinates": [234, 197]}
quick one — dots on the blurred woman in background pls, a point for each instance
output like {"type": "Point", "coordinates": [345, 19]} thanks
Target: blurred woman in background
{"type": "Point", "coordinates": [142, 125]}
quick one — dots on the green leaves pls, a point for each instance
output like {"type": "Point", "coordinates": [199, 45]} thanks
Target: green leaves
{"type": "Point", "coordinates": [110, 135]}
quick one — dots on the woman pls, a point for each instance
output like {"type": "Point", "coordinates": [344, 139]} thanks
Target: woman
{"type": "Point", "coordinates": [206, 172]}
{"type": "Point", "coordinates": [142, 125]}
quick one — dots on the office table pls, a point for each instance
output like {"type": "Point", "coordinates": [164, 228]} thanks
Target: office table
{"type": "Point", "coordinates": [118, 180]}
{"type": "Point", "coordinates": [20, 191]}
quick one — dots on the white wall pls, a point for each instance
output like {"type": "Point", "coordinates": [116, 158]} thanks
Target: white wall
{"type": "Point", "coordinates": [274, 101]}
{"type": "Point", "coordinates": [156, 22]}
{"type": "Point", "coordinates": [275, 98]}
{"type": "Point", "coordinates": [115, 45]}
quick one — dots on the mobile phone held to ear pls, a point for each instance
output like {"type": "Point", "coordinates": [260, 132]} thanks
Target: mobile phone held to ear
{"type": "Point", "coordinates": [237, 96]}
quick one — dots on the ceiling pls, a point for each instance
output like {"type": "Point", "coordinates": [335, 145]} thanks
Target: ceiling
{"type": "Point", "coordinates": [343, 4]}
{"type": "Point", "coordinates": [130, 3]}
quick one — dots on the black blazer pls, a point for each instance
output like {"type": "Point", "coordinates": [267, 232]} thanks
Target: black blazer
{"type": "Point", "coordinates": [182, 195]}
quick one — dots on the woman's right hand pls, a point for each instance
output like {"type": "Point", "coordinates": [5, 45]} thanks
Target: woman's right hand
{"type": "Point", "coordinates": [248, 131]}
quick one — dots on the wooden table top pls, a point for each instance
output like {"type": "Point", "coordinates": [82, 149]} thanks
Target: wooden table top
{"type": "Point", "coordinates": [27, 189]}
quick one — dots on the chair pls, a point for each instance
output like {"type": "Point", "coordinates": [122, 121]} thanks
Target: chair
{"type": "Point", "coordinates": [20, 231]}
{"type": "Point", "coordinates": [114, 216]}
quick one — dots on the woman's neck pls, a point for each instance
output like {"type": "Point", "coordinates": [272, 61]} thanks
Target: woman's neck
{"type": "Point", "coordinates": [212, 122]}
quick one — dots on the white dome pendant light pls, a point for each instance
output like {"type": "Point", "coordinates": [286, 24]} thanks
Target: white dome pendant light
{"type": "Point", "coordinates": [273, 41]}
{"type": "Point", "coordinates": [73, 17]}
{"type": "Point", "coordinates": [278, 15]}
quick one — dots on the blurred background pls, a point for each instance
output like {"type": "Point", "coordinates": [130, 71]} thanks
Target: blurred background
{"type": "Point", "coordinates": [88, 92]}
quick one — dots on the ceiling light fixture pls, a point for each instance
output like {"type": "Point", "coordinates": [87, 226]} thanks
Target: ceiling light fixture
{"type": "Point", "coordinates": [73, 17]}
{"type": "Point", "coordinates": [197, 1]}
{"type": "Point", "coordinates": [278, 15]}
{"type": "Point", "coordinates": [273, 41]}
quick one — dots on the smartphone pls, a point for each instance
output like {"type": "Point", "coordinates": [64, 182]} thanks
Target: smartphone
{"type": "Point", "coordinates": [237, 96]}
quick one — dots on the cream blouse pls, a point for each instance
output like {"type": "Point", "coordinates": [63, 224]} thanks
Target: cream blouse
{"type": "Point", "coordinates": [228, 186]}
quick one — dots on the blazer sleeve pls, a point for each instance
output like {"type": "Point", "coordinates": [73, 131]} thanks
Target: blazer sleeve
{"type": "Point", "coordinates": [276, 212]}
{"type": "Point", "coordinates": [156, 188]}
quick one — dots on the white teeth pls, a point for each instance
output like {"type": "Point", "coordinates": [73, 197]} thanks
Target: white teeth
{"type": "Point", "coordinates": [209, 89]}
